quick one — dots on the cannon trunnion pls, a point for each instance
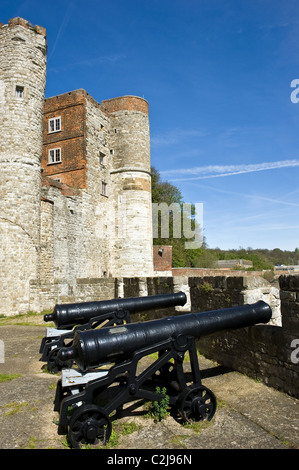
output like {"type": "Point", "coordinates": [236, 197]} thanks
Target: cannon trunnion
{"type": "Point", "coordinates": [115, 366]}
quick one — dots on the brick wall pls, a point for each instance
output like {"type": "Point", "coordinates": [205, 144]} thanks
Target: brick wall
{"type": "Point", "coordinates": [163, 259]}
{"type": "Point", "coordinates": [71, 139]}
{"type": "Point", "coordinates": [125, 103]}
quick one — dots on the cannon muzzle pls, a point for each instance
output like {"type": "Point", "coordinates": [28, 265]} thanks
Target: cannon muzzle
{"type": "Point", "coordinates": [80, 313]}
{"type": "Point", "coordinates": [92, 348]}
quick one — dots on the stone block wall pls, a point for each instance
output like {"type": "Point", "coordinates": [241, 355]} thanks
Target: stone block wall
{"type": "Point", "coordinates": [89, 215]}
{"type": "Point", "coordinates": [22, 84]}
{"type": "Point", "coordinates": [131, 186]}
{"type": "Point", "coordinates": [213, 292]}
{"type": "Point", "coordinates": [264, 352]}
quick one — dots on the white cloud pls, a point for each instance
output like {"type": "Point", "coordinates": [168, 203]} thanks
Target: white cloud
{"type": "Point", "coordinates": [217, 171]}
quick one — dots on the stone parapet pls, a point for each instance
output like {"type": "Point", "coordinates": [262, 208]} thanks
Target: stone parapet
{"type": "Point", "coordinates": [26, 24]}
{"type": "Point", "coordinates": [268, 353]}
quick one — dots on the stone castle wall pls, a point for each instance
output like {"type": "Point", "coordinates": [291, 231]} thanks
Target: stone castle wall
{"type": "Point", "coordinates": [131, 186]}
{"type": "Point", "coordinates": [22, 86]}
{"type": "Point", "coordinates": [89, 215]}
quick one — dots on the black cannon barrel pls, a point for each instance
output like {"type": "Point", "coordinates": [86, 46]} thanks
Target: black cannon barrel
{"type": "Point", "coordinates": [94, 347]}
{"type": "Point", "coordinates": [80, 313]}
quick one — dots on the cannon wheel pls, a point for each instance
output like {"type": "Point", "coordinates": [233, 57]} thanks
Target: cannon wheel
{"type": "Point", "coordinates": [197, 403]}
{"type": "Point", "coordinates": [89, 425]}
{"type": "Point", "coordinates": [54, 364]}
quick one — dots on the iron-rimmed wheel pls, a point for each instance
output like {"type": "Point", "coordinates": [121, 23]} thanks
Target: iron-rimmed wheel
{"type": "Point", "coordinates": [197, 403]}
{"type": "Point", "coordinates": [89, 425]}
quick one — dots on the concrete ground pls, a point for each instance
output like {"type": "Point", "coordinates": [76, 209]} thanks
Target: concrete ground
{"type": "Point", "coordinates": [249, 415]}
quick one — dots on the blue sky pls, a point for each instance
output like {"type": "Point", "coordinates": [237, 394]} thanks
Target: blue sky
{"type": "Point", "coordinates": [217, 75]}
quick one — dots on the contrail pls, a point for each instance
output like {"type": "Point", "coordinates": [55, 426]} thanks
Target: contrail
{"type": "Point", "coordinates": [218, 171]}
{"type": "Point", "coordinates": [62, 27]}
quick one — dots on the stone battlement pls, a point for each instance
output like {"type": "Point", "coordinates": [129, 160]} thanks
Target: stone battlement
{"type": "Point", "coordinates": [26, 24]}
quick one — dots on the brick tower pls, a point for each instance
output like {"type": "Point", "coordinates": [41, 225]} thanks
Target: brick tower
{"type": "Point", "coordinates": [22, 85]}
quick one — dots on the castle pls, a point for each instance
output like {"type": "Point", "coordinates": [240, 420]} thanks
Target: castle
{"type": "Point", "coordinates": [75, 194]}
{"type": "Point", "coordinates": [76, 218]}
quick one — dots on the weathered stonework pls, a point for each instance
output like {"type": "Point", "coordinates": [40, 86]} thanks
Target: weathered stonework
{"type": "Point", "coordinates": [269, 353]}
{"type": "Point", "coordinates": [131, 186]}
{"type": "Point", "coordinates": [113, 223]}
{"type": "Point", "coordinates": [89, 215]}
{"type": "Point", "coordinates": [22, 84]}
{"type": "Point", "coordinates": [83, 230]}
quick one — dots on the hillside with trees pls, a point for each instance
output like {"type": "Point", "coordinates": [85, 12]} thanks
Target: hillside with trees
{"type": "Point", "coordinates": [205, 257]}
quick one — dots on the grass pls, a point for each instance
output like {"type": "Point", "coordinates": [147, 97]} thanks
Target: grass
{"type": "Point", "coordinates": [198, 426]}
{"type": "Point", "coordinates": [26, 319]}
{"type": "Point", "coordinates": [7, 377]}
{"type": "Point", "coordinates": [14, 407]}
{"type": "Point", "coordinates": [121, 429]}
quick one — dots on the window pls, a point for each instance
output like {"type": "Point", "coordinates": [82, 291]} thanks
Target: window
{"type": "Point", "coordinates": [19, 91]}
{"type": "Point", "coordinates": [54, 155]}
{"type": "Point", "coordinates": [55, 124]}
{"type": "Point", "coordinates": [102, 158]}
{"type": "Point", "coordinates": [104, 190]}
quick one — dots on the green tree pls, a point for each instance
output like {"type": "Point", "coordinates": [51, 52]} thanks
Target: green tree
{"type": "Point", "coordinates": [164, 192]}
{"type": "Point", "coordinates": [203, 257]}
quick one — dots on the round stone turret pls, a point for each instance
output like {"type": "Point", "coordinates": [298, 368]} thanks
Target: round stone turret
{"type": "Point", "coordinates": [22, 85]}
{"type": "Point", "coordinates": [131, 183]}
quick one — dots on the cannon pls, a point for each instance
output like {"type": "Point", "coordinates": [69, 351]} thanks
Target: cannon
{"type": "Point", "coordinates": [69, 318]}
{"type": "Point", "coordinates": [110, 373]}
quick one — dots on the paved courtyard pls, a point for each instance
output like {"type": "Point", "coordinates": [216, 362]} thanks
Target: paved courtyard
{"type": "Point", "coordinates": [249, 415]}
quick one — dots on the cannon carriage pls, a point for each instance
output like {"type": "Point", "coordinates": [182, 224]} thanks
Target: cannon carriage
{"type": "Point", "coordinates": [109, 373]}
